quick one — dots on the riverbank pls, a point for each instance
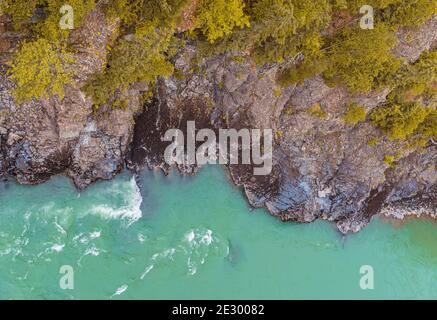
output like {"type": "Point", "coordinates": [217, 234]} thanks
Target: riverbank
{"type": "Point", "coordinates": [323, 168]}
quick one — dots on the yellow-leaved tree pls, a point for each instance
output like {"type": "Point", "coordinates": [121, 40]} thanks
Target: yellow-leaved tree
{"type": "Point", "coordinates": [39, 70]}
{"type": "Point", "coordinates": [219, 18]}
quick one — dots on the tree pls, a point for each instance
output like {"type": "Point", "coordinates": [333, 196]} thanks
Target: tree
{"type": "Point", "coordinates": [305, 69]}
{"type": "Point", "coordinates": [400, 121]}
{"type": "Point", "coordinates": [279, 29]}
{"type": "Point", "coordinates": [40, 70]}
{"type": "Point", "coordinates": [428, 129]}
{"type": "Point", "coordinates": [317, 111]}
{"type": "Point", "coordinates": [133, 13]}
{"type": "Point", "coordinates": [218, 18]}
{"type": "Point", "coordinates": [360, 60]}
{"type": "Point", "coordinates": [49, 28]}
{"type": "Point", "coordinates": [140, 59]}
{"type": "Point", "coordinates": [416, 81]}
{"type": "Point", "coordinates": [20, 11]}
{"type": "Point", "coordinates": [355, 114]}
{"type": "Point", "coordinates": [408, 13]}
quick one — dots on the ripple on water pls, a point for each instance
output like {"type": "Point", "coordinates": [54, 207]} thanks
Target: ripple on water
{"type": "Point", "coordinates": [183, 249]}
{"type": "Point", "coordinates": [193, 249]}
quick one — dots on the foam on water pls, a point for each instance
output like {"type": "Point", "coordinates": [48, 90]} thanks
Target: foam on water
{"type": "Point", "coordinates": [182, 249]}
{"type": "Point", "coordinates": [197, 248]}
{"type": "Point", "coordinates": [120, 290]}
{"type": "Point", "coordinates": [58, 247]}
{"type": "Point", "coordinates": [95, 234]}
{"type": "Point", "coordinates": [194, 248]}
{"type": "Point", "coordinates": [146, 271]}
{"type": "Point", "coordinates": [130, 210]}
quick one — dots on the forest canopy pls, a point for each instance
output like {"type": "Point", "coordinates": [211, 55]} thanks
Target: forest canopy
{"type": "Point", "coordinates": [304, 37]}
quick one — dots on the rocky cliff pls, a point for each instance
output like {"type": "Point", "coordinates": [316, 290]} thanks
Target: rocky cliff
{"type": "Point", "coordinates": [323, 169]}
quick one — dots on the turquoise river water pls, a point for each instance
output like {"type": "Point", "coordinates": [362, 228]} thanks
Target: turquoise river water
{"type": "Point", "coordinates": [194, 238]}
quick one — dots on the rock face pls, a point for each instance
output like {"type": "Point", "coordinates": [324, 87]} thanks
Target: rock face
{"type": "Point", "coordinates": [323, 169]}
{"type": "Point", "coordinates": [43, 138]}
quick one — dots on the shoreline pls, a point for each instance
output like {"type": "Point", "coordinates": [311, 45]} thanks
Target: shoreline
{"type": "Point", "coordinates": [397, 222]}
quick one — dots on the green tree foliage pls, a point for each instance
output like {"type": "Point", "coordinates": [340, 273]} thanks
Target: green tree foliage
{"type": "Point", "coordinates": [279, 29]}
{"type": "Point", "coordinates": [417, 80]}
{"type": "Point", "coordinates": [49, 28]}
{"type": "Point", "coordinates": [284, 28]}
{"type": "Point", "coordinates": [297, 73]}
{"type": "Point", "coordinates": [218, 18]}
{"type": "Point", "coordinates": [354, 114]}
{"type": "Point", "coordinates": [355, 5]}
{"type": "Point", "coordinates": [408, 13]}
{"type": "Point", "coordinates": [284, 18]}
{"type": "Point", "coordinates": [317, 111]}
{"type": "Point", "coordinates": [357, 59]}
{"type": "Point", "coordinates": [428, 129]}
{"type": "Point", "coordinates": [294, 33]}
{"type": "Point", "coordinates": [138, 12]}
{"type": "Point", "coordinates": [361, 60]}
{"type": "Point", "coordinates": [40, 65]}
{"type": "Point", "coordinates": [397, 13]}
{"type": "Point", "coordinates": [411, 110]}
{"type": "Point", "coordinates": [144, 55]}
{"type": "Point", "coordinates": [40, 70]}
{"type": "Point", "coordinates": [400, 121]}
{"type": "Point", "coordinates": [20, 11]}
{"type": "Point", "coordinates": [389, 159]}
{"type": "Point", "coordinates": [141, 58]}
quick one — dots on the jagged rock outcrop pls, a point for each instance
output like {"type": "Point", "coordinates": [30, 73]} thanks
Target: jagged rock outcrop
{"type": "Point", "coordinates": [323, 169]}
{"type": "Point", "coordinates": [43, 138]}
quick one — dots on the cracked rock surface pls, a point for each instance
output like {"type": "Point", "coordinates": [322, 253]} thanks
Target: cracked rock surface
{"type": "Point", "coordinates": [322, 168]}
